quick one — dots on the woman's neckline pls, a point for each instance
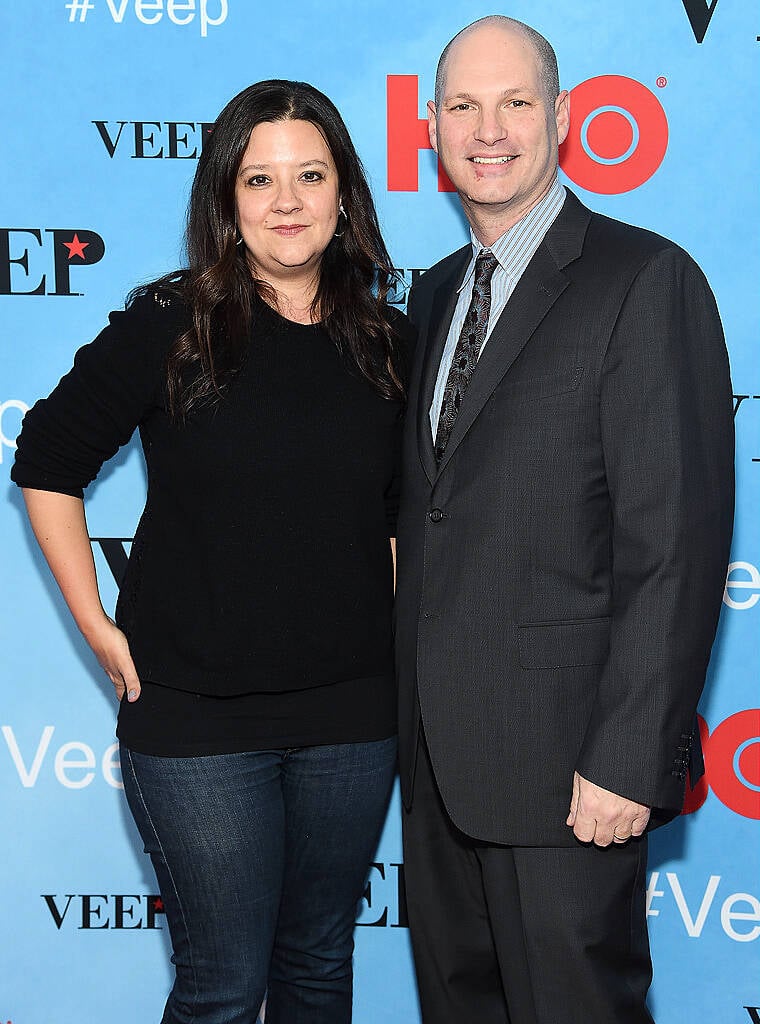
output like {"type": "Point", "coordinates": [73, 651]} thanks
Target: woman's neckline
{"type": "Point", "coordinates": [319, 324]}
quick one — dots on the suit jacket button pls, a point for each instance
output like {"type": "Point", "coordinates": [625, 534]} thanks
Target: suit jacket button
{"type": "Point", "coordinates": [435, 515]}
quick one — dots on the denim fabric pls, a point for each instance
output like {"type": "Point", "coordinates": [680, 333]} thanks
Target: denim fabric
{"type": "Point", "coordinates": [261, 859]}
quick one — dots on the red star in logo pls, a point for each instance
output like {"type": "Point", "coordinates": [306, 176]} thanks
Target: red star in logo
{"type": "Point", "coordinates": [158, 905]}
{"type": "Point", "coordinates": [75, 247]}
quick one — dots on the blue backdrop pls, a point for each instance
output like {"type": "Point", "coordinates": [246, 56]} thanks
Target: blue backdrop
{"type": "Point", "coordinates": [105, 106]}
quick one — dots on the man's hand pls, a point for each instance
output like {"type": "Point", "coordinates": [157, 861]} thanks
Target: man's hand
{"type": "Point", "coordinates": [599, 816]}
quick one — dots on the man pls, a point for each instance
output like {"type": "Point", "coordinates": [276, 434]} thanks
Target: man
{"type": "Point", "coordinates": [563, 541]}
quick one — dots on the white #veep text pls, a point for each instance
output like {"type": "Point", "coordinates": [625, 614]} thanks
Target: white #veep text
{"type": "Point", "coordinates": [208, 13]}
{"type": "Point", "coordinates": [74, 764]}
{"type": "Point", "coordinates": [742, 586]}
{"type": "Point", "coordinates": [8, 436]}
{"type": "Point", "coordinates": [739, 911]}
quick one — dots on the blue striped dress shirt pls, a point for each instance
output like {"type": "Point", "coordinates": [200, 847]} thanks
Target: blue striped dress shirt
{"type": "Point", "coordinates": [514, 251]}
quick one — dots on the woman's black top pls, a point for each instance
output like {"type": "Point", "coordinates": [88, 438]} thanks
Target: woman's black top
{"type": "Point", "coordinates": [261, 567]}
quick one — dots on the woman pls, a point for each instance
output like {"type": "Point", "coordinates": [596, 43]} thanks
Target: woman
{"type": "Point", "coordinates": [252, 645]}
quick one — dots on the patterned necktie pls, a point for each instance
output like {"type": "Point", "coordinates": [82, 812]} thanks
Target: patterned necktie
{"type": "Point", "coordinates": [468, 348]}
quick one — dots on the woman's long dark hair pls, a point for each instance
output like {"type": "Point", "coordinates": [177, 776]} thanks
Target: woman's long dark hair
{"type": "Point", "coordinates": [355, 275]}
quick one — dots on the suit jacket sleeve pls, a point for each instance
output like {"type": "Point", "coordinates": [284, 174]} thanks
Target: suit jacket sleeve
{"type": "Point", "coordinates": [667, 434]}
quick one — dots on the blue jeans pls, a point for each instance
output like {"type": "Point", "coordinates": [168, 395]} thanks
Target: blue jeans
{"type": "Point", "coordinates": [261, 859]}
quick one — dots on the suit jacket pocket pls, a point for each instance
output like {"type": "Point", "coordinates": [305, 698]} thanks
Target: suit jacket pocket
{"type": "Point", "coordinates": [545, 386]}
{"type": "Point", "coordinates": [569, 643]}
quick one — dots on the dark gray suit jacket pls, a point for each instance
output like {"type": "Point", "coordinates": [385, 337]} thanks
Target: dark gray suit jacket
{"type": "Point", "coordinates": [560, 573]}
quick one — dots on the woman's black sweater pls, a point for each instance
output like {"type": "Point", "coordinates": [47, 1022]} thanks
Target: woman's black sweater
{"type": "Point", "coordinates": [261, 563]}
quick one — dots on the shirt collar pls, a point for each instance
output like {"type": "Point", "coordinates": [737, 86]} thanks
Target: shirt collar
{"type": "Point", "coordinates": [503, 247]}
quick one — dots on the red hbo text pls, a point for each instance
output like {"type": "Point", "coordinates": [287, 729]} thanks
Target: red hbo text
{"type": "Point", "coordinates": [732, 765]}
{"type": "Point", "coordinates": [617, 140]}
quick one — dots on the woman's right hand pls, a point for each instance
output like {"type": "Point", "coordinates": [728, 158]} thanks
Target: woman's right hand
{"type": "Point", "coordinates": [60, 527]}
{"type": "Point", "coordinates": [110, 647]}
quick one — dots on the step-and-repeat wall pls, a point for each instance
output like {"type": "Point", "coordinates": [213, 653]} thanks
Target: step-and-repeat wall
{"type": "Point", "coordinates": [105, 108]}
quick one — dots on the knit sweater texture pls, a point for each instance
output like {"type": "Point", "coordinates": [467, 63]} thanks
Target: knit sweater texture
{"type": "Point", "coordinates": [261, 562]}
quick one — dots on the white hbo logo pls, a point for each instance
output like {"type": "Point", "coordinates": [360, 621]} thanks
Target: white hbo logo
{"type": "Point", "coordinates": [8, 440]}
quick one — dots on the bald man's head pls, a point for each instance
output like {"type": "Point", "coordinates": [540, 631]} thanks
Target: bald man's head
{"type": "Point", "coordinates": [545, 55]}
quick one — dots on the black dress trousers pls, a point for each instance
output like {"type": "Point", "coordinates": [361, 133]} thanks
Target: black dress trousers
{"type": "Point", "coordinates": [522, 935]}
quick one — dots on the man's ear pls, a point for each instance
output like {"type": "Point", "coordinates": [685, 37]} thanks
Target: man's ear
{"type": "Point", "coordinates": [432, 125]}
{"type": "Point", "coordinates": [562, 115]}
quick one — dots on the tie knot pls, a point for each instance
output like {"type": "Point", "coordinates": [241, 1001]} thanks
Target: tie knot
{"type": "Point", "coordinates": [485, 265]}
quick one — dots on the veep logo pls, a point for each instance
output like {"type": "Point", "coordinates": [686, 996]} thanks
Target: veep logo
{"type": "Point", "coordinates": [155, 140]}
{"type": "Point", "coordinates": [745, 403]}
{"type": "Point", "coordinates": [699, 13]}
{"type": "Point", "coordinates": [618, 135]}
{"type": "Point", "coordinates": [8, 436]}
{"type": "Point", "coordinates": [732, 765]}
{"type": "Point", "coordinates": [26, 255]}
{"type": "Point", "coordinates": [617, 139]}
{"type": "Point", "coordinates": [116, 553]}
{"type": "Point", "coordinates": [121, 911]}
{"type": "Point", "coordinates": [384, 898]}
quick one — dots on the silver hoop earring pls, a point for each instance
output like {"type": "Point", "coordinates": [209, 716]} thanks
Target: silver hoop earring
{"type": "Point", "coordinates": [240, 240]}
{"type": "Point", "coordinates": [340, 234]}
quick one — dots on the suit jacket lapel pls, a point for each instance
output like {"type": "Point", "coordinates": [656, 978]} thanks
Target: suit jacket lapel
{"type": "Point", "coordinates": [537, 290]}
{"type": "Point", "coordinates": [441, 314]}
